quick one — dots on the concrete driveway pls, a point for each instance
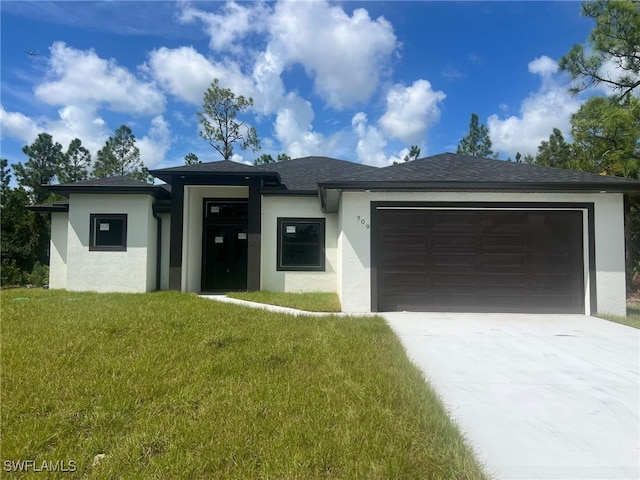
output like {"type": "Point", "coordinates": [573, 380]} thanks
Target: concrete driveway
{"type": "Point", "coordinates": [537, 396]}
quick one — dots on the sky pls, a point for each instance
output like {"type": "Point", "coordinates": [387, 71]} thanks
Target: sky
{"type": "Point", "coordinates": [360, 81]}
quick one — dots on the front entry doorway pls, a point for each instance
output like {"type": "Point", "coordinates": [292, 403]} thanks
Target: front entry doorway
{"type": "Point", "coordinates": [224, 245]}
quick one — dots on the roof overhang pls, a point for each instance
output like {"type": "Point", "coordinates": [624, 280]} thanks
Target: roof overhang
{"type": "Point", "coordinates": [215, 178]}
{"type": "Point", "coordinates": [60, 206]}
{"type": "Point", "coordinates": [331, 192]}
{"type": "Point", "coordinates": [156, 191]}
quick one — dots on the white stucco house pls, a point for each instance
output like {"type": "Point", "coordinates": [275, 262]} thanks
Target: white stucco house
{"type": "Point", "coordinates": [442, 233]}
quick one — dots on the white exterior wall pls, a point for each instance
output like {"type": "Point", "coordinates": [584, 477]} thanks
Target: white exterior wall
{"type": "Point", "coordinates": [355, 241]}
{"type": "Point", "coordinates": [287, 281]}
{"type": "Point", "coordinates": [58, 250]}
{"type": "Point", "coordinates": [192, 229]}
{"type": "Point", "coordinates": [130, 271]}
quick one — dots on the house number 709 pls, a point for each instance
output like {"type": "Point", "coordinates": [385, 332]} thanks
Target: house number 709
{"type": "Point", "coordinates": [362, 221]}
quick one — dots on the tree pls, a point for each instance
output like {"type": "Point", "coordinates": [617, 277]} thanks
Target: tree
{"type": "Point", "coordinates": [219, 124]}
{"type": "Point", "coordinates": [612, 44]}
{"type": "Point", "coordinates": [5, 179]}
{"type": "Point", "coordinates": [120, 156]}
{"type": "Point", "coordinates": [74, 163]}
{"type": "Point", "coordinates": [606, 134]}
{"type": "Point", "coordinates": [477, 143]}
{"type": "Point", "coordinates": [414, 153]}
{"type": "Point", "coordinates": [191, 159]}
{"type": "Point", "coordinates": [266, 159]}
{"type": "Point", "coordinates": [44, 156]}
{"type": "Point", "coordinates": [555, 152]}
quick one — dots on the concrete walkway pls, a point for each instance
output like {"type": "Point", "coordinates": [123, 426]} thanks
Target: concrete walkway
{"type": "Point", "coordinates": [538, 396]}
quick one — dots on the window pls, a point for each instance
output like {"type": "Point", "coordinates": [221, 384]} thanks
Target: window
{"type": "Point", "coordinates": [108, 232]}
{"type": "Point", "coordinates": [301, 244]}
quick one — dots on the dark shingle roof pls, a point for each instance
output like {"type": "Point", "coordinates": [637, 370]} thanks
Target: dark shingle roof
{"type": "Point", "coordinates": [300, 174]}
{"type": "Point", "coordinates": [450, 167]}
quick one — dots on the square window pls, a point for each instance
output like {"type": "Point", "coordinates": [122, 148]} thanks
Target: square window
{"type": "Point", "coordinates": [108, 232]}
{"type": "Point", "coordinates": [301, 244]}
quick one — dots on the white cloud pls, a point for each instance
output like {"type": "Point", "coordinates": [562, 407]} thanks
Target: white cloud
{"type": "Point", "coordinates": [186, 73]}
{"type": "Point", "coordinates": [18, 126]}
{"type": "Point", "coordinates": [371, 142]}
{"type": "Point", "coordinates": [72, 122]}
{"type": "Point", "coordinates": [345, 55]}
{"type": "Point", "coordinates": [82, 123]}
{"type": "Point", "coordinates": [81, 78]}
{"type": "Point", "coordinates": [543, 66]}
{"type": "Point", "coordinates": [411, 111]}
{"type": "Point", "coordinates": [155, 145]}
{"type": "Point", "coordinates": [293, 128]}
{"type": "Point", "coordinates": [226, 29]}
{"type": "Point", "coordinates": [549, 107]}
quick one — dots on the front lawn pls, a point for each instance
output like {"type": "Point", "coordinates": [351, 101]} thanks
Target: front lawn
{"type": "Point", "coordinates": [310, 302]}
{"type": "Point", "coordinates": [169, 385]}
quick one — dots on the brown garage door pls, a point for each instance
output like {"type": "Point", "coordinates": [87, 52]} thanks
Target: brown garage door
{"type": "Point", "coordinates": [479, 261]}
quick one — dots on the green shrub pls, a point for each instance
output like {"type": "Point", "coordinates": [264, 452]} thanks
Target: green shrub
{"type": "Point", "coordinates": [39, 276]}
{"type": "Point", "coordinates": [10, 274]}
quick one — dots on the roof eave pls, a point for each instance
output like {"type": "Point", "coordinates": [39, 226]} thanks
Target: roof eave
{"type": "Point", "coordinates": [65, 190]}
{"type": "Point", "coordinates": [331, 206]}
{"type": "Point", "coordinates": [169, 177]}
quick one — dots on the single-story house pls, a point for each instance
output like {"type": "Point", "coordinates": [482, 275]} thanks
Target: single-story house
{"type": "Point", "coordinates": [443, 233]}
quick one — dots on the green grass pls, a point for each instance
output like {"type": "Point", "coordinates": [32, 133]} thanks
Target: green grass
{"type": "Point", "coordinates": [169, 385]}
{"type": "Point", "coordinates": [632, 319]}
{"type": "Point", "coordinates": [310, 302]}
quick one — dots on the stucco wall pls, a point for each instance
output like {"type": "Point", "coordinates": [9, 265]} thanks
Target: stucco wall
{"type": "Point", "coordinates": [286, 281]}
{"type": "Point", "coordinates": [130, 271]}
{"type": "Point", "coordinates": [58, 250]}
{"type": "Point", "coordinates": [355, 241]}
{"type": "Point", "coordinates": [192, 232]}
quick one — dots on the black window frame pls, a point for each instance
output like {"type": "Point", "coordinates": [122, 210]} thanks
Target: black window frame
{"type": "Point", "coordinates": [94, 218]}
{"type": "Point", "coordinates": [284, 221]}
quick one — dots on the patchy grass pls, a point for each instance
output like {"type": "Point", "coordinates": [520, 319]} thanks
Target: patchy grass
{"type": "Point", "coordinates": [169, 385]}
{"type": "Point", "coordinates": [632, 319]}
{"type": "Point", "coordinates": [310, 302]}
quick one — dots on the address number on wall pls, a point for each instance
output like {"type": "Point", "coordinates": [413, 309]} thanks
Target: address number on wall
{"type": "Point", "coordinates": [362, 221]}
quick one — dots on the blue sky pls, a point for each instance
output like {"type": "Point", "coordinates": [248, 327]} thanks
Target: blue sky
{"type": "Point", "coordinates": [360, 81]}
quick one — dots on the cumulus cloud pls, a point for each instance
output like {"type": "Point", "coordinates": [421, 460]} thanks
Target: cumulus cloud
{"type": "Point", "coordinates": [549, 107]}
{"type": "Point", "coordinates": [227, 28]}
{"type": "Point", "coordinates": [345, 55]}
{"type": "Point", "coordinates": [293, 128]}
{"type": "Point", "coordinates": [18, 126]}
{"type": "Point", "coordinates": [155, 145]}
{"type": "Point", "coordinates": [80, 77]}
{"type": "Point", "coordinates": [186, 73]}
{"type": "Point", "coordinates": [72, 122]}
{"type": "Point", "coordinates": [371, 142]}
{"type": "Point", "coordinates": [411, 111]}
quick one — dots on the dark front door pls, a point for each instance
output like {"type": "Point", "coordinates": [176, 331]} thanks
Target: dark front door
{"type": "Point", "coordinates": [484, 261]}
{"type": "Point", "coordinates": [224, 249]}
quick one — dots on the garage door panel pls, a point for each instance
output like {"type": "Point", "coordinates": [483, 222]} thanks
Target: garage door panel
{"type": "Point", "coordinates": [500, 261]}
{"type": "Point", "coordinates": [517, 260]}
{"type": "Point", "coordinates": [453, 259]}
